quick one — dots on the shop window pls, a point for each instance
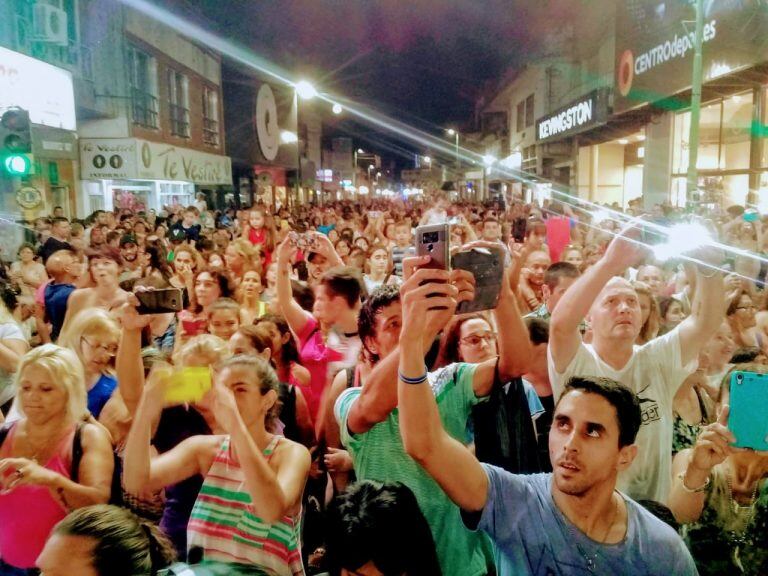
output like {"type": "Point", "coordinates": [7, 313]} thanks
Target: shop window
{"type": "Point", "coordinates": [142, 70]}
{"type": "Point", "coordinates": [521, 116]}
{"type": "Point", "coordinates": [724, 136]}
{"type": "Point", "coordinates": [529, 111]}
{"type": "Point", "coordinates": [210, 116]}
{"type": "Point", "coordinates": [176, 194]}
{"type": "Point", "coordinates": [178, 103]}
{"type": "Point", "coordinates": [529, 159]}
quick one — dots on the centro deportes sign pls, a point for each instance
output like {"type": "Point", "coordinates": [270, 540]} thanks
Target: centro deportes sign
{"type": "Point", "coordinates": [576, 117]}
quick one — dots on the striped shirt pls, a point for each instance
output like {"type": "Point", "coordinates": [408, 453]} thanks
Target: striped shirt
{"type": "Point", "coordinates": [223, 523]}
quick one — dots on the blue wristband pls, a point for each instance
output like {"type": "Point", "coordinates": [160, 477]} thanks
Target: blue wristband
{"type": "Point", "coordinates": [413, 381]}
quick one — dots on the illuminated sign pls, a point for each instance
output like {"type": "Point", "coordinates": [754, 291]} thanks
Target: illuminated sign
{"type": "Point", "coordinates": [584, 113]}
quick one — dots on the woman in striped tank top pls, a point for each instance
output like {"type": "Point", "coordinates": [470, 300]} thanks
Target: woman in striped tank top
{"type": "Point", "coordinates": [249, 506]}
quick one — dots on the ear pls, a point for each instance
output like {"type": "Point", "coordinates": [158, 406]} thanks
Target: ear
{"type": "Point", "coordinates": [545, 293]}
{"type": "Point", "coordinates": [626, 456]}
{"type": "Point", "coordinates": [270, 398]}
{"type": "Point", "coordinates": [266, 354]}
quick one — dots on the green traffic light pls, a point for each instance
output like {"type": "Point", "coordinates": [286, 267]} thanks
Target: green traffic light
{"type": "Point", "coordinates": [17, 165]}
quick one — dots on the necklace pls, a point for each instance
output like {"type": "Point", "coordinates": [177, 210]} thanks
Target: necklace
{"type": "Point", "coordinates": [590, 559]}
{"type": "Point", "coordinates": [739, 538]}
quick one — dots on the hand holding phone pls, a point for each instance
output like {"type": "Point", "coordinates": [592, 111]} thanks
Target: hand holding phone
{"type": "Point", "coordinates": [434, 241]}
{"type": "Point", "coordinates": [160, 301]}
{"type": "Point", "coordinates": [487, 267]}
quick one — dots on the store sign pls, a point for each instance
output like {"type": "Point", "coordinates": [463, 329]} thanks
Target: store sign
{"type": "Point", "coordinates": [45, 90]}
{"type": "Point", "coordinates": [655, 45]}
{"type": "Point", "coordinates": [54, 143]}
{"type": "Point", "coordinates": [108, 159]}
{"type": "Point", "coordinates": [584, 113]}
{"type": "Point", "coordinates": [132, 158]}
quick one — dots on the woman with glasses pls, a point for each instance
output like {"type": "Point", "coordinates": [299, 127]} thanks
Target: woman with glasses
{"type": "Point", "coordinates": [94, 335]}
{"type": "Point", "coordinates": [742, 316]}
{"type": "Point", "coordinates": [39, 482]}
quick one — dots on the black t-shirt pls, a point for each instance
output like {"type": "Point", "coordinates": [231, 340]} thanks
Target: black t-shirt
{"type": "Point", "coordinates": [52, 245]}
{"type": "Point", "coordinates": [192, 233]}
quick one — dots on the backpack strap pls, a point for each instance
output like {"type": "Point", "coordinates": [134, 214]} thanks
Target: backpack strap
{"type": "Point", "coordinates": [77, 452]}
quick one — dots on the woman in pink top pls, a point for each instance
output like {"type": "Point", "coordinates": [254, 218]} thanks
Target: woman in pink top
{"type": "Point", "coordinates": [36, 486]}
{"type": "Point", "coordinates": [337, 303]}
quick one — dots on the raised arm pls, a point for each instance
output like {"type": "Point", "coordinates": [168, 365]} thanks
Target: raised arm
{"type": "Point", "coordinates": [274, 492]}
{"type": "Point", "coordinates": [128, 364]}
{"type": "Point", "coordinates": [564, 335]}
{"type": "Point", "coordinates": [707, 308]}
{"type": "Point", "coordinates": [295, 315]}
{"type": "Point", "coordinates": [452, 466]}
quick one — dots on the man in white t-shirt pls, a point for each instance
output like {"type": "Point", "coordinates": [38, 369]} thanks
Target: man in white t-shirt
{"type": "Point", "coordinates": [653, 371]}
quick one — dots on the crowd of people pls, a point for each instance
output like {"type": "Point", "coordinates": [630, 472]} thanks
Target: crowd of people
{"type": "Point", "coordinates": [292, 392]}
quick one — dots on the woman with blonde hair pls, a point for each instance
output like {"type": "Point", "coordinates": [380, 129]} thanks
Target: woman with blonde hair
{"type": "Point", "coordinates": [241, 256]}
{"type": "Point", "coordinates": [94, 335]}
{"type": "Point", "coordinates": [39, 482]}
{"type": "Point", "coordinates": [249, 506]}
{"type": "Point", "coordinates": [651, 318]}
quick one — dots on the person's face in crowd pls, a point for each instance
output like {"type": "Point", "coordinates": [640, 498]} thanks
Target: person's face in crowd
{"type": "Point", "coordinates": [240, 344]}
{"type": "Point", "coordinates": [26, 255]}
{"type": "Point", "coordinates": [161, 232]}
{"type": "Point", "coordinates": [207, 289]}
{"type": "Point", "coordinates": [97, 351]}
{"type": "Point", "coordinates": [277, 338]}
{"type": "Point", "coordinates": [333, 236]}
{"type": "Point", "coordinates": [63, 555]}
{"type": "Point", "coordinates": [574, 257]}
{"type": "Point", "coordinates": [362, 243]}
{"type": "Point", "coordinates": [537, 238]}
{"type": "Point", "coordinates": [252, 403]}
{"type": "Point", "coordinates": [183, 260]}
{"type": "Point", "coordinates": [674, 314]}
{"type": "Point", "coordinates": [223, 323]}
{"type": "Point", "coordinates": [653, 277]}
{"type": "Point", "coordinates": [389, 231]}
{"type": "Point", "coordinates": [251, 283]}
{"type": "Point", "coordinates": [317, 267]}
{"type": "Point", "coordinates": [342, 248]}
{"type": "Point", "coordinates": [129, 252]}
{"type": "Point", "coordinates": [271, 275]}
{"type": "Point", "coordinates": [41, 225]}
{"type": "Point", "coordinates": [584, 444]}
{"type": "Point", "coordinates": [537, 264]}
{"type": "Point", "coordinates": [105, 218]}
{"type": "Point", "coordinates": [616, 312]}
{"type": "Point", "coordinates": [379, 262]}
{"type": "Point", "coordinates": [491, 231]}
{"type": "Point", "coordinates": [216, 262]}
{"type": "Point", "coordinates": [551, 298]}
{"type": "Point", "coordinates": [103, 269]}
{"type": "Point", "coordinates": [61, 229]}
{"type": "Point", "coordinates": [189, 219]}
{"type": "Point", "coordinates": [97, 236]}
{"type": "Point", "coordinates": [41, 397]}
{"type": "Point", "coordinates": [721, 346]}
{"type": "Point", "coordinates": [591, 258]}
{"type": "Point", "coordinates": [477, 341]}
{"type": "Point", "coordinates": [746, 311]}
{"type": "Point", "coordinates": [389, 322]}
{"type": "Point", "coordinates": [328, 307]}
{"type": "Point", "coordinates": [58, 212]}
{"type": "Point", "coordinates": [256, 219]}
{"type": "Point", "coordinates": [234, 259]}
{"type": "Point", "coordinates": [645, 308]}
{"type": "Point", "coordinates": [403, 235]}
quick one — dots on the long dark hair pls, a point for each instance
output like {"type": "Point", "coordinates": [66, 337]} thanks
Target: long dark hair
{"type": "Point", "coordinates": [449, 343]}
{"type": "Point", "coordinates": [289, 352]}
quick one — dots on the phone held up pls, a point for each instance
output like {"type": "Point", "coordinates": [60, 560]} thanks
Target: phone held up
{"type": "Point", "coordinates": [434, 241]}
{"type": "Point", "coordinates": [748, 418]}
{"type": "Point", "coordinates": [160, 301]}
{"type": "Point", "coordinates": [186, 384]}
{"type": "Point", "coordinates": [487, 266]}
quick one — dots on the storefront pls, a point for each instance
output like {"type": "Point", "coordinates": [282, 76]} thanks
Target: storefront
{"type": "Point", "coordinates": [135, 174]}
{"type": "Point", "coordinates": [47, 94]}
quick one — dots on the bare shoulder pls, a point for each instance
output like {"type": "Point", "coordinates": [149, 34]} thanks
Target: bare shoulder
{"type": "Point", "coordinates": [94, 436]}
{"type": "Point", "coordinates": [291, 453]}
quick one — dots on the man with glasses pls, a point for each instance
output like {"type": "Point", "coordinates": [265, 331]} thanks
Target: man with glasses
{"type": "Point", "coordinates": [368, 418]}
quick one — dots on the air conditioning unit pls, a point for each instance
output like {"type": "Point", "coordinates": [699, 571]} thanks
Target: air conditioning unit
{"type": "Point", "coordinates": [49, 24]}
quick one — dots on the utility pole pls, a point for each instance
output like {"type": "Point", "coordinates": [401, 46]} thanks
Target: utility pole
{"type": "Point", "coordinates": [693, 134]}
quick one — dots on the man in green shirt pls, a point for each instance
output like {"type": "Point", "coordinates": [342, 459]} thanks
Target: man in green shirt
{"type": "Point", "coordinates": [368, 417]}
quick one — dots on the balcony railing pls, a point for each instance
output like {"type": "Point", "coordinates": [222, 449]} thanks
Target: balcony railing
{"type": "Point", "coordinates": [144, 106]}
{"type": "Point", "coordinates": [211, 131]}
{"type": "Point", "coordinates": [179, 121]}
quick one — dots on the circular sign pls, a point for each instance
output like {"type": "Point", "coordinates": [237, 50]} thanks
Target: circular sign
{"type": "Point", "coordinates": [626, 72]}
{"type": "Point", "coordinates": [99, 161]}
{"type": "Point", "coordinates": [116, 161]}
{"type": "Point", "coordinates": [29, 197]}
{"type": "Point", "coordinates": [267, 129]}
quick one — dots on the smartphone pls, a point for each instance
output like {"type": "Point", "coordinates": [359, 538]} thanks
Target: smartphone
{"type": "Point", "coordinates": [160, 301]}
{"type": "Point", "coordinates": [187, 385]}
{"type": "Point", "coordinates": [487, 266]}
{"type": "Point", "coordinates": [748, 418]}
{"type": "Point", "coordinates": [434, 240]}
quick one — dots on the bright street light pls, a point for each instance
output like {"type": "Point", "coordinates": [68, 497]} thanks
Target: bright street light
{"type": "Point", "coordinates": [305, 90]}
{"type": "Point", "coordinates": [489, 160]}
{"type": "Point", "coordinates": [451, 132]}
{"type": "Point", "coordinates": [288, 137]}
{"type": "Point", "coordinates": [427, 159]}
{"type": "Point", "coordinates": [360, 151]}
{"type": "Point", "coordinates": [337, 109]}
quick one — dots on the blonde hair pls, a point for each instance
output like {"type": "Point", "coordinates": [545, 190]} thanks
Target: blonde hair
{"type": "Point", "coordinates": [64, 369]}
{"type": "Point", "coordinates": [248, 251]}
{"type": "Point", "coordinates": [95, 322]}
{"type": "Point", "coordinates": [205, 348]}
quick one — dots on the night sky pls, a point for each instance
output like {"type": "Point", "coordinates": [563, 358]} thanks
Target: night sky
{"type": "Point", "coordinates": [424, 62]}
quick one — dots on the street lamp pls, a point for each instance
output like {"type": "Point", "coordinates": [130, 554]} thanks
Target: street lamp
{"type": "Point", "coordinates": [337, 109]}
{"type": "Point", "coordinates": [455, 134]}
{"type": "Point", "coordinates": [288, 137]}
{"type": "Point", "coordinates": [427, 160]}
{"type": "Point", "coordinates": [306, 91]}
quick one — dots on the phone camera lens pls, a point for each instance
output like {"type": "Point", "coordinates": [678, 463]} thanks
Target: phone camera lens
{"type": "Point", "coordinates": [430, 248]}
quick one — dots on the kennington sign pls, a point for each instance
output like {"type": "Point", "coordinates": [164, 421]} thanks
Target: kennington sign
{"type": "Point", "coordinates": [576, 117]}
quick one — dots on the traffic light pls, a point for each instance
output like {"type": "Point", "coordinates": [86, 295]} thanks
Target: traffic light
{"type": "Point", "coordinates": [15, 142]}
